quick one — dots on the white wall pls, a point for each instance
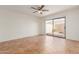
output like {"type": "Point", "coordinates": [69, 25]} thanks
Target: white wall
{"type": "Point", "coordinates": [72, 22]}
{"type": "Point", "coordinates": [15, 25]}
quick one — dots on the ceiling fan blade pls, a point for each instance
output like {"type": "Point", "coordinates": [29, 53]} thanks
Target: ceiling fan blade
{"type": "Point", "coordinates": [45, 10]}
{"type": "Point", "coordinates": [34, 11]}
{"type": "Point", "coordinates": [33, 8]}
{"type": "Point", "coordinates": [42, 6]}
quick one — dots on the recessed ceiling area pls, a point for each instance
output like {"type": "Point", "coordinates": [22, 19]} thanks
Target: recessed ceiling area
{"type": "Point", "coordinates": [26, 9]}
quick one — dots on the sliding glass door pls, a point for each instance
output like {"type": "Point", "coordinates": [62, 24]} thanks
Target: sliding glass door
{"type": "Point", "coordinates": [59, 27]}
{"type": "Point", "coordinates": [56, 27]}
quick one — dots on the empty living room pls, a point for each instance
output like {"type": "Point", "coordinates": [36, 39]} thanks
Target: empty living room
{"type": "Point", "coordinates": [39, 29]}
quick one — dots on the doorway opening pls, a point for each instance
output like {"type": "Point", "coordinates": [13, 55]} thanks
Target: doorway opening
{"type": "Point", "coordinates": [56, 27]}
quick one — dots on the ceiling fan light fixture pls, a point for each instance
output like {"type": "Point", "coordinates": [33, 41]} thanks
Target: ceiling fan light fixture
{"type": "Point", "coordinates": [40, 12]}
{"type": "Point", "coordinates": [39, 9]}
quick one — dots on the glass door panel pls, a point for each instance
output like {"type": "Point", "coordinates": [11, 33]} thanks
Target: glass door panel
{"type": "Point", "coordinates": [49, 27]}
{"type": "Point", "coordinates": [59, 27]}
{"type": "Point", "coordinates": [56, 27]}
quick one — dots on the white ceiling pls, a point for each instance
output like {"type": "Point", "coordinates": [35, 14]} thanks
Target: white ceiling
{"type": "Point", "coordinates": [26, 9]}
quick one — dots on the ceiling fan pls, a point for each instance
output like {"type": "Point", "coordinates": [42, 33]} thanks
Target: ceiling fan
{"type": "Point", "coordinates": [39, 9]}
